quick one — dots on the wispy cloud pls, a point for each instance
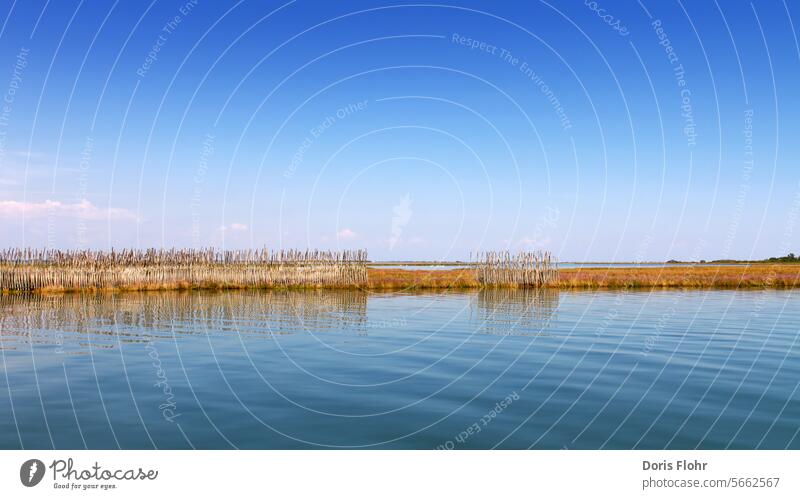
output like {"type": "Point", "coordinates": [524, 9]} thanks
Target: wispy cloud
{"type": "Point", "coordinates": [26, 155]}
{"type": "Point", "coordinates": [18, 160]}
{"type": "Point", "coordinates": [401, 215]}
{"type": "Point", "coordinates": [234, 227]}
{"type": "Point", "coordinates": [83, 209]}
{"type": "Point", "coordinates": [346, 234]}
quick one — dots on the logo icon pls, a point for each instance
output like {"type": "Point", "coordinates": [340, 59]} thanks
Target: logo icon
{"type": "Point", "coordinates": [31, 472]}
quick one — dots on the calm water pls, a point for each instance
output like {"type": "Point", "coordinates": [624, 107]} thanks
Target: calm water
{"type": "Point", "coordinates": [504, 369]}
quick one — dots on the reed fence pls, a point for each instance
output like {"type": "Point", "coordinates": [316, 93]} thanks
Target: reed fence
{"type": "Point", "coordinates": [30, 269]}
{"type": "Point", "coordinates": [526, 268]}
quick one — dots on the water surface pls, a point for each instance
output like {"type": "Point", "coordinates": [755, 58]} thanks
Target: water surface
{"type": "Point", "coordinates": [330, 369]}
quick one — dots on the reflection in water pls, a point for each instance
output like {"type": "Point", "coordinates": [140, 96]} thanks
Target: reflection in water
{"type": "Point", "coordinates": [288, 369]}
{"type": "Point", "coordinates": [514, 312]}
{"type": "Point", "coordinates": [100, 320]}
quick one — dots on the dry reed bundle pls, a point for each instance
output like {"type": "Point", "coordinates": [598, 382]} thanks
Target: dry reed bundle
{"type": "Point", "coordinates": [30, 269]}
{"type": "Point", "coordinates": [526, 268]}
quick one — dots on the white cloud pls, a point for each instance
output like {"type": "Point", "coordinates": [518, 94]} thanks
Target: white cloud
{"type": "Point", "coordinates": [530, 243]}
{"type": "Point", "coordinates": [84, 210]}
{"type": "Point", "coordinates": [402, 214]}
{"type": "Point", "coordinates": [234, 227]}
{"type": "Point", "coordinates": [346, 234]}
{"type": "Point", "coordinates": [32, 155]}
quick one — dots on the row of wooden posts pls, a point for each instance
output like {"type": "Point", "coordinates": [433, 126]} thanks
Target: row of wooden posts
{"type": "Point", "coordinates": [525, 269]}
{"type": "Point", "coordinates": [176, 256]}
{"type": "Point", "coordinates": [31, 269]}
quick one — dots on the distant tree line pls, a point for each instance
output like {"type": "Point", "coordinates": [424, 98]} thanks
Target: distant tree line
{"type": "Point", "coordinates": [790, 258]}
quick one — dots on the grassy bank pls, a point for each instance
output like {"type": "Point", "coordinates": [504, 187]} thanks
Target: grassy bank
{"type": "Point", "coordinates": [45, 271]}
{"type": "Point", "coordinates": [720, 277]}
{"type": "Point", "coordinates": [379, 278]}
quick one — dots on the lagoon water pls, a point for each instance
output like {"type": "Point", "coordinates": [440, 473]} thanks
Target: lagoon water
{"type": "Point", "coordinates": [332, 369]}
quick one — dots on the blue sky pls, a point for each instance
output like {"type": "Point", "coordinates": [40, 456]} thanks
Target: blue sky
{"type": "Point", "coordinates": [596, 130]}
